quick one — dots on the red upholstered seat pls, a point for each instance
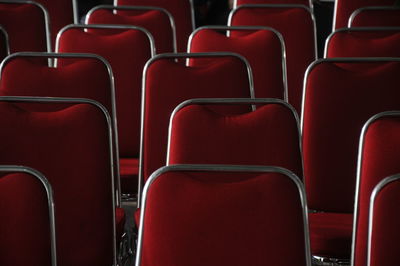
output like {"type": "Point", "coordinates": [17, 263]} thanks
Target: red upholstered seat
{"type": "Point", "coordinates": [237, 3]}
{"type": "Point", "coordinates": [344, 9]}
{"type": "Point", "coordinates": [262, 47]}
{"type": "Point", "coordinates": [70, 144]}
{"type": "Point", "coordinates": [364, 42]}
{"type": "Point", "coordinates": [379, 16]}
{"type": "Point", "coordinates": [383, 248]}
{"type": "Point", "coordinates": [168, 83]}
{"type": "Point", "coordinates": [24, 200]}
{"type": "Point", "coordinates": [135, 47]}
{"type": "Point", "coordinates": [268, 136]}
{"type": "Point", "coordinates": [379, 153]}
{"type": "Point", "coordinates": [26, 25]}
{"type": "Point", "coordinates": [340, 96]}
{"type": "Point", "coordinates": [204, 215]}
{"type": "Point", "coordinates": [157, 21]}
{"type": "Point", "coordinates": [300, 43]}
{"type": "Point", "coordinates": [181, 10]}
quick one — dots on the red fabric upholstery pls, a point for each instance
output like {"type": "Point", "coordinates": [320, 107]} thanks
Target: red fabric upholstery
{"type": "Point", "coordinates": [129, 170]}
{"type": "Point", "coordinates": [330, 234]}
{"type": "Point", "coordinates": [373, 43]}
{"type": "Point", "coordinates": [268, 136]}
{"type": "Point", "coordinates": [377, 18]}
{"type": "Point", "coordinates": [25, 25]}
{"type": "Point", "coordinates": [222, 226]}
{"type": "Point", "coordinates": [70, 147]}
{"type": "Point", "coordinates": [385, 230]}
{"type": "Point", "coordinates": [181, 11]}
{"type": "Point", "coordinates": [261, 48]}
{"type": "Point", "coordinates": [345, 8]}
{"type": "Point", "coordinates": [300, 2]}
{"type": "Point", "coordinates": [380, 159]}
{"type": "Point", "coordinates": [155, 21]}
{"type": "Point", "coordinates": [300, 45]}
{"type": "Point", "coordinates": [24, 223]}
{"type": "Point", "coordinates": [169, 83]}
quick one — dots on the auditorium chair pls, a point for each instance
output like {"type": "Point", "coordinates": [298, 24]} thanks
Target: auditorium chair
{"type": "Point", "coordinates": [182, 12]}
{"type": "Point", "coordinates": [340, 95]}
{"type": "Point", "coordinates": [375, 16]}
{"type": "Point", "coordinates": [300, 43]}
{"type": "Point", "coordinates": [363, 42]}
{"type": "Point", "coordinates": [27, 26]}
{"type": "Point", "coordinates": [383, 248]}
{"type": "Point", "coordinates": [269, 135]}
{"type": "Point", "coordinates": [263, 47]}
{"type": "Point", "coordinates": [70, 142]}
{"type": "Point", "coordinates": [307, 3]}
{"type": "Point", "coordinates": [157, 21]}
{"type": "Point", "coordinates": [167, 83]}
{"type": "Point", "coordinates": [379, 151]}
{"type": "Point", "coordinates": [27, 226]}
{"type": "Point", "coordinates": [223, 215]}
{"type": "Point", "coordinates": [127, 49]}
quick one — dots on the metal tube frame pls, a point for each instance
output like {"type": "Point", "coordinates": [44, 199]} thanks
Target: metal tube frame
{"type": "Point", "coordinates": [176, 56]}
{"type": "Point", "coordinates": [359, 10]}
{"type": "Point", "coordinates": [226, 168]}
{"type": "Point", "coordinates": [235, 5]}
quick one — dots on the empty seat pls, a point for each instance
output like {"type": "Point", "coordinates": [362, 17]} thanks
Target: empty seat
{"type": "Point", "coordinates": [70, 142]}
{"type": "Point", "coordinates": [307, 3]}
{"type": "Point", "coordinates": [135, 47]}
{"type": "Point", "coordinates": [268, 135]}
{"type": "Point", "coordinates": [300, 43]}
{"type": "Point", "coordinates": [383, 248]}
{"type": "Point", "coordinates": [229, 213]}
{"type": "Point", "coordinates": [363, 42]}
{"type": "Point", "coordinates": [263, 47]}
{"type": "Point", "coordinates": [181, 10]}
{"type": "Point", "coordinates": [26, 198]}
{"type": "Point", "coordinates": [27, 26]}
{"type": "Point", "coordinates": [375, 16]}
{"type": "Point", "coordinates": [156, 20]}
{"type": "Point", "coordinates": [341, 94]}
{"type": "Point", "coordinates": [378, 159]}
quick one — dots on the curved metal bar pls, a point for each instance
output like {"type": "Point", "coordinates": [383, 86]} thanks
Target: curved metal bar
{"type": "Point", "coordinates": [50, 201]}
{"type": "Point", "coordinates": [45, 14]}
{"type": "Point", "coordinates": [175, 56]}
{"type": "Point", "coordinates": [233, 101]}
{"type": "Point", "coordinates": [7, 43]}
{"type": "Point", "coordinates": [358, 176]}
{"type": "Point", "coordinates": [112, 95]}
{"type": "Point", "coordinates": [250, 28]}
{"type": "Point", "coordinates": [363, 29]}
{"type": "Point", "coordinates": [385, 182]}
{"type": "Point", "coordinates": [227, 168]}
{"type": "Point", "coordinates": [310, 2]}
{"type": "Point", "coordinates": [110, 144]}
{"type": "Point", "coordinates": [359, 10]}
{"type": "Point", "coordinates": [144, 8]}
{"type": "Point", "coordinates": [309, 10]}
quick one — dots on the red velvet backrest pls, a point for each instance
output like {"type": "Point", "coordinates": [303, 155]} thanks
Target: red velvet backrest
{"type": "Point", "coordinates": [261, 48]}
{"type": "Point", "coordinates": [339, 98]}
{"type": "Point", "coordinates": [127, 62]}
{"type": "Point", "coordinates": [300, 43]}
{"type": "Point", "coordinates": [74, 77]}
{"type": "Point", "coordinates": [155, 21]}
{"type": "Point", "coordinates": [169, 83]}
{"type": "Point", "coordinates": [181, 11]}
{"type": "Point", "coordinates": [361, 43]}
{"type": "Point", "coordinates": [377, 18]}
{"type": "Point", "coordinates": [268, 136]}
{"type": "Point", "coordinates": [380, 151]}
{"type": "Point", "coordinates": [232, 218]}
{"type": "Point", "coordinates": [300, 2]}
{"type": "Point", "coordinates": [71, 148]}
{"type": "Point", "coordinates": [385, 233]}
{"type": "Point", "coordinates": [344, 9]}
{"type": "Point", "coordinates": [25, 25]}
{"type": "Point", "coordinates": [24, 223]}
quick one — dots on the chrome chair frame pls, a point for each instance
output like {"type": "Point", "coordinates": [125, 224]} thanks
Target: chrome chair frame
{"type": "Point", "coordinates": [358, 11]}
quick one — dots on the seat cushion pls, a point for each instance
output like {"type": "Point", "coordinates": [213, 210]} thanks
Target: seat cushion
{"type": "Point", "coordinates": [129, 169]}
{"type": "Point", "coordinates": [331, 234]}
